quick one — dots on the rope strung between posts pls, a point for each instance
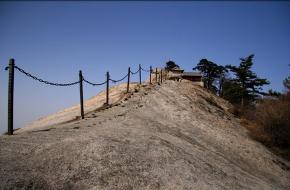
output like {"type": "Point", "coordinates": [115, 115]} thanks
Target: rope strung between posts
{"type": "Point", "coordinates": [94, 84]}
{"type": "Point", "coordinates": [133, 73]}
{"type": "Point", "coordinates": [44, 81]}
{"type": "Point", "coordinates": [119, 79]}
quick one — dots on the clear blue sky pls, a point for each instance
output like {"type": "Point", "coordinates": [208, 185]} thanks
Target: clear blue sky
{"type": "Point", "coordinates": [56, 39]}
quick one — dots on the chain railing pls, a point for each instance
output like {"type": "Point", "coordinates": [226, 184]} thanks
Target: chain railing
{"type": "Point", "coordinates": [115, 81]}
{"type": "Point", "coordinates": [12, 67]}
{"type": "Point", "coordinates": [133, 73]}
{"type": "Point", "coordinates": [44, 81]}
{"type": "Point", "coordinates": [145, 70]}
{"type": "Point", "coordinates": [94, 84]}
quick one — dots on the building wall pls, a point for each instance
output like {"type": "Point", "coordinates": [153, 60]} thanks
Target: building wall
{"type": "Point", "coordinates": [195, 79]}
{"type": "Point", "coordinates": [178, 76]}
{"type": "Point", "coordinates": [192, 78]}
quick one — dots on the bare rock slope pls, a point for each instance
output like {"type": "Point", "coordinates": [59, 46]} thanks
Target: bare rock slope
{"type": "Point", "coordinates": [73, 113]}
{"type": "Point", "coordinates": [173, 136]}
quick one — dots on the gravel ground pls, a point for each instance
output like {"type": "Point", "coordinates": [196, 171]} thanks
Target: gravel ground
{"type": "Point", "coordinates": [172, 136]}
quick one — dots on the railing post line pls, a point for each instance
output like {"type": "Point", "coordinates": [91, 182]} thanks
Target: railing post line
{"type": "Point", "coordinates": [156, 75]}
{"type": "Point", "coordinates": [10, 96]}
{"type": "Point", "coordinates": [107, 90]}
{"type": "Point", "coordinates": [81, 94]}
{"type": "Point", "coordinates": [150, 73]}
{"type": "Point", "coordinates": [139, 73]}
{"type": "Point", "coordinates": [128, 83]}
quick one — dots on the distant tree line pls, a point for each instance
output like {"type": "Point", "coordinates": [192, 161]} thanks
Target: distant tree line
{"type": "Point", "coordinates": [238, 84]}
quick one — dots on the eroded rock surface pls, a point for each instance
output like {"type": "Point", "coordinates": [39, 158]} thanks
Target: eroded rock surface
{"type": "Point", "coordinates": [173, 136]}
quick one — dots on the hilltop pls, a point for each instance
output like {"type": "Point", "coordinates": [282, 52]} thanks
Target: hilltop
{"type": "Point", "coordinates": [170, 136]}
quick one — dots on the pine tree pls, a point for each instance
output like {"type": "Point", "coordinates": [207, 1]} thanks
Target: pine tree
{"type": "Point", "coordinates": [248, 81]}
{"type": "Point", "coordinates": [170, 65]}
{"type": "Point", "coordinates": [286, 83]}
{"type": "Point", "coordinates": [273, 93]}
{"type": "Point", "coordinates": [232, 91]}
{"type": "Point", "coordinates": [211, 72]}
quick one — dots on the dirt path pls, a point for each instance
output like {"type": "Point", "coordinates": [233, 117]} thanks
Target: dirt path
{"type": "Point", "coordinates": [174, 136]}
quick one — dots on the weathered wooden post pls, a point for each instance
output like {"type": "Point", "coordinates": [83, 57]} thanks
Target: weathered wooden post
{"type": "Point", "coordinates": [150, 73]}
{"type": "Point", "coordinates": [10, 96]}
{"type": "Point", "coordinates": [161, 75]}
{"type": "Point", "coordinates": [107, 91]}
{"type": "Point", "coordinates": [128, 83]}
{"type": "Point", "coordinates": [139, 74]}
{"type": "Point", "coordinates": [156, 75]}
{"type": "Point", "coordinates": [81, 94]}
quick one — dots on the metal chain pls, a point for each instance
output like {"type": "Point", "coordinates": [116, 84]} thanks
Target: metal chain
{"type": "Point", "coordinates": [133, 73]}
{"type": "Point", "coordinates": [118, 80]}
{"type": "Point", "coordinates": [94, 84]}
{"type": "Point", "coordinates": [73, 83]}
{"type": "Point", "coordinates": [145, 70]}
{"type": "Point", "coordinates": [43, 81]}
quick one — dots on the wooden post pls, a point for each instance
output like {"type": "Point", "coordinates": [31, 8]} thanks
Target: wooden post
{"type": "Point", "coordinates": [139, 74]}
{"type": "Point", "coordinates": [156, 75]}
{"type": "Point", "coordinates": [150, 73]}
{"type": "Point", "coordinates": [10, 96]}
{"type": "Point", "coordinates": [128, 83]}
{"type": "Point", "coordinates": [161, 75]}
{"type": "Point", "coordinates": [81, 95]}
{"type": "Point", "coordinates": [107, 91]}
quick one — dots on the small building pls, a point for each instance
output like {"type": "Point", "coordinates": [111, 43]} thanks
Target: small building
{"type": "Point", "coordinates": [175, 73]}
{"type": "Point", "coordinates": [176, 70]}
{"type": "Point", "coordinates": [195, 77]}
{"type": "Point", "coordinates": [178, 74]}
{"type": "Point", "coordinates": [192, 76]}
